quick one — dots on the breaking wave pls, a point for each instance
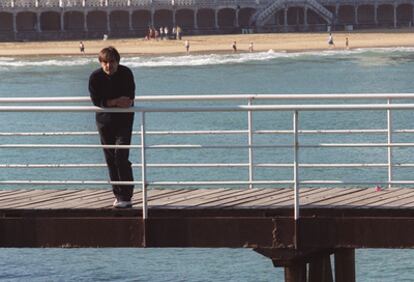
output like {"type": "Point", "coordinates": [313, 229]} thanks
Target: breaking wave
{"type": "Point", "coordinates": [197, 59]}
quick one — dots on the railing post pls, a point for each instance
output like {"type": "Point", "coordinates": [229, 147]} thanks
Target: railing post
{"type": "Point", "coordinates": [143, 169]}
{"type": "Point", "coordinates": [389, 142]}
{"type": "Point", "coordinates": [250, 143]}
{"type": "Point", "coordinates": [296, 178]}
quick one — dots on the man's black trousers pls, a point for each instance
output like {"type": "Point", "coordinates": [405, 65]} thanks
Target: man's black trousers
{"type": "Point", "coordinates": [117, 160]}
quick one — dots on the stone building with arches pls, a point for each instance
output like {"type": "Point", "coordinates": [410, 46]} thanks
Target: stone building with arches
{"type": "Point", "coordinates": [76, 19]}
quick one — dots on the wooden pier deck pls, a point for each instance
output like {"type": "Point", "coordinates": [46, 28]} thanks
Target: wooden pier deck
{"type": "Point", "coordinates": [331, 220]}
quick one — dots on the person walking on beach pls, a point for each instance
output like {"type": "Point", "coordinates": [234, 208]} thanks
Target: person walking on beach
{"type": "Point", "coordinates": [161, 33]}
{"type": "Point", "coordinates": [251, 47]}
{"type": "Point", "coordinates": [113, 86]}
{"type": "Point", "coordinates": [347, 43]}
{"type": "Point", "coordinates": [234, 46]}
{"type": "Point", "coordinates": [179, 32]}
{"type": "Point", "coordinates": [331, 41]}
{"type": "Point", "coordinates": [81, 47]}
{"type": "Point", "coordinates": [187, 46]}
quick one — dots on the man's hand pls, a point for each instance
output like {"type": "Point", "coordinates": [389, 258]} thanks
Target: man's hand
{"type": "Point", "coordinates": [121, 102]}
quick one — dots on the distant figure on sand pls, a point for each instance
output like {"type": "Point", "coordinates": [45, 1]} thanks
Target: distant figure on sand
{"type": "Point", "coordinates": [251, 47]}
{"type": "Point", "coordinates": [187, 46]}
{"type": "Point", "coordinates": [234, 46]}
{"type": "Point", "coordinates": [81, 47]}
{"type": "Point", "coordinates": [346, 43]}
{"type": "Point", "coordinates": [330, 41]}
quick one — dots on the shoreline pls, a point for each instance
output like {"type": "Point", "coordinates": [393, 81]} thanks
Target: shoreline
{"type": "Point", "coordinates": [215, 44]}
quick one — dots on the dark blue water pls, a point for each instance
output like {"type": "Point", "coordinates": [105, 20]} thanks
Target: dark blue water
{"type": "Point", "coordinates": [360, 71]}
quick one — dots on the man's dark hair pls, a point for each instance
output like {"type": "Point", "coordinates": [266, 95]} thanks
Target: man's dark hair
{"type": "Point", "coordinates": [109, 54]}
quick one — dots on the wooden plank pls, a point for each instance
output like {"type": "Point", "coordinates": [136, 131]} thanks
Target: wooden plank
{"type": "Point", "coordinates": [361, 199]}
{"type": "Point", "coordinates": [345, 197]}
{"type": "Point", "coordinates": [260, 202]}
{"type": "Point", "coordinates": [107, 200]}
{"type": "Point", "coordinates": [34, 201]}
{"type": "Point", "coordinates": [285, 194]}
{"type": "Point", "coordinates": [20, 194]}
{"type": "Point", "coordinates": [396, 194]}
{"type": "Point", "coordinates": [26, 197]}
{"type": "Point", "coordinates": [222, 202]}
{"type": "Point", "coordinates": [287, 202]}
{"type": "Point", "coordinates": [174, 201]}
{"type": "Point", "coordinates": [67, 202]}
{"type": "Point", "coordinates": [313, 201]}
{"type": "Point", "coordinates": [249, 201]}
{"type": "Point", "coordinates": [196, 203]}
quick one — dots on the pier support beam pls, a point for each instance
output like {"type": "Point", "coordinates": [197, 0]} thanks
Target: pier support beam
{"type": "Point", "coordinates": [320, 269]}
{"type": "Point", "coordinates": [345, 265]}
{"type": "Point", "coordinates": [296, 273]}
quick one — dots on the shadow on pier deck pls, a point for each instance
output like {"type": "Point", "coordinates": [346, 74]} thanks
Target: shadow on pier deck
{"type": "Point", "coordinates": [333, 221]}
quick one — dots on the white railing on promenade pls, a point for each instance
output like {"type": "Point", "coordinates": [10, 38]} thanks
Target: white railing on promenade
{"type": "Point", "coordinates": [347, 102]}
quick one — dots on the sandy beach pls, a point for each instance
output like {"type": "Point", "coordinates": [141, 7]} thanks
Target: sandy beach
{"type": "Point", "coordinates": [288, 42]}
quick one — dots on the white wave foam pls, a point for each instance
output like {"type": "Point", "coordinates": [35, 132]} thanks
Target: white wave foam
{"type": "Point", "coordinates": [196, 60]}
{"type": "Point", "coordinates": [60, 62]}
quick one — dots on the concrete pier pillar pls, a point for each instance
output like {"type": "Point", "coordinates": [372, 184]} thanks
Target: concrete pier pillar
{"type": "Point", "coordinates": [152, 16]}
{"type": "Point", "coordinates": [236, 24]}
{"type": "Point", "coordinates": [85, 22]}
{"type": "Point", "coordinates": [356, 15]}
{"type": "Point", "coordinates": [345, 265]}
{"type": "Point", "coordinates": [38, 27]}
{"type": "Point", "coordinates": [129, 19]}
{"type": "Point", "coordinates": [173, 19]}
{"type": "Point", "coordinates": [395, 16]}
{"type": "Point", "coordinates": [108, 22]}
{"type": "Point", "coordinates": [305, 17]}
{"type": "Point", "coordinates": [216, 19]}
{"type": "Point", "coordinates": [376, 14]}
{"type": "Point", "coordinates": [295, 273]}
{"type": "Point", "coordinates": [195, 19]}
{"type": "Point", "coordinates": [14, 23]}
{"type": "Point", "coordinates": [285, 21]}
{"type": "Point", "coordinates": [62, 21]}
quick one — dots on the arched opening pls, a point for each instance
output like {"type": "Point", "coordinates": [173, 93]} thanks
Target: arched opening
{"type": "Point", "coordinates": [244, 16]}
{"type": "Point", "coordinates": [141, 20]}
{"type": "Point", "coordinates": [6, 20]}
{"type": "Point", "coordinates": [119, 20]}
{"type": "Point", "coordinates": [314, 18]}
{"type": "Point", "coordinates": [163, 18]}
{"type": "Point", "coordinates": [73, 20]}
{"type": "Point", "coordinates": [366, 14]}
{"type": "Point", "coordinates": [205, 18]}
{"type": "Point", "coordinates": [404, 14]}
{"type": "Point", "coordinates": [295, 16]}
{"type": "Point", "coordinates": [226, 17]}
{"type": "Point", "coordinates": [96, 20]}
{"type": "Point", "coordinates": [279, 18]}
{"type": "Point", "coordinates": [346, 14]}
{"type": "Point", "coordinates": [385, 14]}
{"type": "Point", "coordinates": [26, 21]}
{"type": "Point", "coordinates": [50, 21]}
{"type": "Point", "coordinates": [185, 18]}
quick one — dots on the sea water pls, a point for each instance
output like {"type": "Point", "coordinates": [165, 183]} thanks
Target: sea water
{"type": "Point", "coordinates": [355, 71]}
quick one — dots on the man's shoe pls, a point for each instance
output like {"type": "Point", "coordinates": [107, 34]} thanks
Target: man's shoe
{"type": "Point", "coordinates": [122, 204]}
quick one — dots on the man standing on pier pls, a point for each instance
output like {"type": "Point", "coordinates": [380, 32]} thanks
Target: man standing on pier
{"type": "Point", "coordinates": [112, 86]}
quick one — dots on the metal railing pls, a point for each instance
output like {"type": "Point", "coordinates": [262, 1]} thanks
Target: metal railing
{"type": "Point", "coordinates": [294, 103]}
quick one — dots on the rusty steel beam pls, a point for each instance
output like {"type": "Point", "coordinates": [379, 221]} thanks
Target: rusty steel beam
{"type": "Point", "coordinates": [357, 232]}
{"type": "Point", "coordinates": [219, 232]}
{"type": "Point", "coordinates": [118, 229]}
{"type": "Point", "coordinates": [71, 232]}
